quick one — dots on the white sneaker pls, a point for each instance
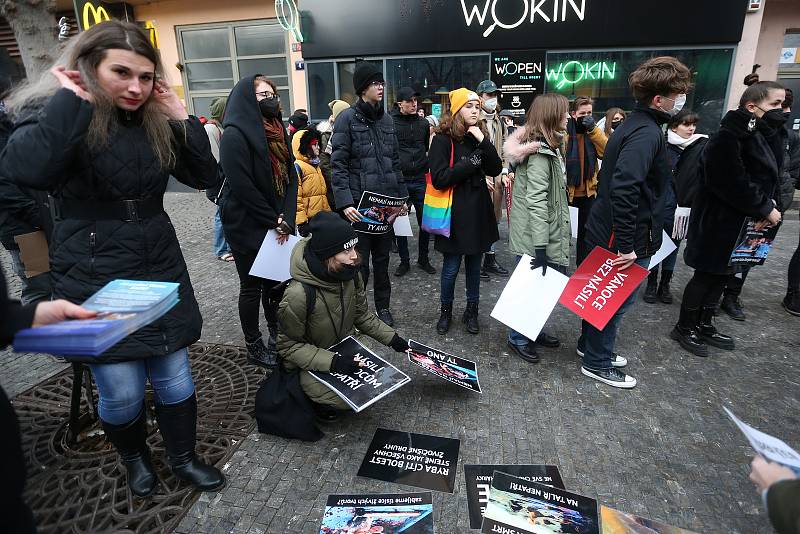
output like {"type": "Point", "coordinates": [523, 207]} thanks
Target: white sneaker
{"type": "Point", "coordinates": [616, 359]}
{"type": "Point", "coordinates": [611, 376]}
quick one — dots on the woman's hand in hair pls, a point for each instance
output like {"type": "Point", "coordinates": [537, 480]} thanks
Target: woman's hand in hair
{"type": "Point", "coordinates": [168, 102]}
{"type": "Point", "coordinates": [476, 133]}
{"type": "Point", "coordinates": [71, 79]}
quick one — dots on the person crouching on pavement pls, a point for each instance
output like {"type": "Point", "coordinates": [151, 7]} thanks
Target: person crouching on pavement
{"type": "Point", "coordinates": [312, 192]}
{"type": "Point", "coordinates": [329, 262]}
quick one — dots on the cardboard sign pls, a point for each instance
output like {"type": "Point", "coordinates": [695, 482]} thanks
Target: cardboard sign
{"type": "Point", "coordinates": [33, 253]}
{"type": "Point", "coordinates": [479, 480]}
{"type": "Point", "coordinates": [402, 512]}
{"type": "Point", "coordinates": [378, 212]}
{"type": "Point", "coordinates": [771, 448]}
{"type": "Point", "coordinates": [616, 522]}
{"type": "Point", "coordinates": [273, 259]}
{"type": "Point", "coordinates": [417, 460]}
{"type": "Point", "coordinates": [517, 506]}
{"type": "Point", "coordinates": [598, 289]}
{"type": "Point", "coordinates": [459, 371]}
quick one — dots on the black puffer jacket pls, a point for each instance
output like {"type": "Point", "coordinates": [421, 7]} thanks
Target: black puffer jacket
{"type": "Point", "coordinates": [790, 173]}
{"type": "Point", "coordinates": [365, 155]}
{"type": "Point", "coordinates": [413, 135]}
{"type": "Point", "coordinates": [253, 205]}
{"type": "Point", "coordinates": [86, 254]}
{"type": "Point", "coordinates": [740, 180]}
{"type": "Point", "coordinates": [628, 214]}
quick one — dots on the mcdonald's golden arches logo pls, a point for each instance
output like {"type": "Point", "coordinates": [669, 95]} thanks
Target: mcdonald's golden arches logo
{"type": "Point", "coordinates": [98, 14]}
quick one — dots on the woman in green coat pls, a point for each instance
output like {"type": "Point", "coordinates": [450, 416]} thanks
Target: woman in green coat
{"type": "Point", "coordinates": [329, 263]}
{"type": "Point", "coordinates": [539, 210]}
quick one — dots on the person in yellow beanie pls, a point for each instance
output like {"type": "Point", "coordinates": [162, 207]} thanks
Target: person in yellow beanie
{"type": "Point", "coordinates": [461, 156]}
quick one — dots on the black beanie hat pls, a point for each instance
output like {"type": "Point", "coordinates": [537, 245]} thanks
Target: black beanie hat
{"type": "Point", "coordinates": [330, 235]}
{"type": "Point", "coordinates": [298, 120]}
{"type": "Point", "coordinates": [365, 74]}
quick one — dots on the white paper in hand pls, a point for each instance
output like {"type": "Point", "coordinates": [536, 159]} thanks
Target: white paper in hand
{"type": "Point", "coordinates": [273, 258]}
{"type": "Point", "coordinates": [767, 446]}
{"type": "Point", "coordinates": [667, 247]}
{"type": "Point", "coordinates": [402, 227]}
{"type": "Point", "coordinates": [529, 298]}
{"type": "Point", "coordinates": [573, 221]}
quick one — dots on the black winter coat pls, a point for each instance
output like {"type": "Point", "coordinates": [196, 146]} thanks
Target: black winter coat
{"type": "Point", "coordinates": [740, 180]}
{"type": "Point", "coordinates": [87, 254]}
{"type": "Point", "coordinates": [473, 226]}
{"type": "Point", "coordinates": [253, 205]}
{"type": "Point", "coordinates": [790, 173]}
{"type": "Point", "coordinates": [365, 156]}
{"type": "Point", "coordinates": [413, 136]}
{"type": "Point", "coordinates": [628, 214]}
{"type": "Point", "coordinates": [687, 173]}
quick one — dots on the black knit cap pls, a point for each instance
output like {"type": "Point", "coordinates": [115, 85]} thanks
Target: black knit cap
{"type": "Point", "coordinates": [298, 120]}
{"type": "Point", "coordinates": [330, 235]}
{"type": "Point", "coordinates": [365, 74]}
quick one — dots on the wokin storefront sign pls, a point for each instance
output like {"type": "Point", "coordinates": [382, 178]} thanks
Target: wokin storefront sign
{"type": "Point", "coordinates": [575, 72]}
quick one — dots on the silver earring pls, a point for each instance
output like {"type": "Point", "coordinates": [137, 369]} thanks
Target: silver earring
{"type": "Point", "coordinates": [751, 125]}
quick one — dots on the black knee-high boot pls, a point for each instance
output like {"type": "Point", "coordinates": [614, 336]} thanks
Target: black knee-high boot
{"type": "Point", "coordinates": [178, 426]}
{"type": "Point", "coordinates": [130, 441]}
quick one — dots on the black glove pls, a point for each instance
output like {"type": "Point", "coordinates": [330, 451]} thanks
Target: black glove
{"type": "Point", "coordinates": [345, 365]}
{"type": "Point", "coordinates": [284, 228]}
{"type": "Point", "coordinates": [476, 158]}
{"type": "Point", "coordinates": [588, 123]}
{"type": "Point", "coordinates": [540, 260]}
{"type": "Point", "coordinates": [399, 344]}
{"type": "Point", "coordinates": [303, 229]}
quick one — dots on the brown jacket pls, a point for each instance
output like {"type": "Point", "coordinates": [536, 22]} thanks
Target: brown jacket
{"type": "Point", "coordinates": [598, 138]}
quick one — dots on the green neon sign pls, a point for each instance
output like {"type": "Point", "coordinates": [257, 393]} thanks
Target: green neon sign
{"type": "Point", "coordinates": [289, 17]}
{"type": "Point", "coordinates": [574, 72]}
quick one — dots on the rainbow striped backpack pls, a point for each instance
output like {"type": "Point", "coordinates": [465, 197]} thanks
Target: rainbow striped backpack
{"type": "Point", "coordinates": [438, 209]}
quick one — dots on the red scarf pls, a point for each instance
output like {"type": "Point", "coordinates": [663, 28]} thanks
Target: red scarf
{"type": "Point", "coordinates": [278, 153]}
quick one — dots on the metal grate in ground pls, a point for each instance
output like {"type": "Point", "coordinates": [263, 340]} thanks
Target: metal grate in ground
{"type": "Point", "coordinates": [81, 489]}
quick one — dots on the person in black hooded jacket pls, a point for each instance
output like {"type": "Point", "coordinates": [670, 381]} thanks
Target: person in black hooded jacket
{"type": "Point", "coordinates": [256, 157]}
{"type": "Point", "coordinates": [107, 138]}
{"type": "Point", "coordinates": [741, 175]}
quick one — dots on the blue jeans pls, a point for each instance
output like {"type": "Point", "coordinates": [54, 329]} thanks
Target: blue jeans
{"type": "Point", "coordinates": [450, 267]}
{"type": "Point", "coordinates": [35, 289]}
{"type": "Point", "coordinates": [121, 385]}
{"type": "Point", "coordinates": [596, 345]}
{"type": "Point", "coordinates": [514, 337]}
{"type": "Point", "coordinates": [416, 195]}
{"type": "Point", "coordinates": [220, 244]}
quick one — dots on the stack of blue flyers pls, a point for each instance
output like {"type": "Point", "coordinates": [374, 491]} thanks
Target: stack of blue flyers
{"type": "Point", "coordinates": [123, 307]}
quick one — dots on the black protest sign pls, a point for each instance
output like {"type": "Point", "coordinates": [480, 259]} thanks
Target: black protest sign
{"type": "Point", "coordinates": [417, 460]}
{"type": "Point", "coordinates": [479, 480]}
{"type": "Point", "coordinates": [520, 77]}
{"type": "Point", "coordinates": [459, 371]}
{"type": "Point", "coordinates": [411, 513]}
{"type": "Point", "coordinates": [374, 379]}
{"type": "Point", "coordinates": [517, 506]}
{"type": "Point", "coordinates": [378, 212]}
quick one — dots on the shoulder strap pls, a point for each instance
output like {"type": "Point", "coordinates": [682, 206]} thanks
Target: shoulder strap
{"type": "Point", "coordinates": [452, 152]}
{"type": "Point", "coordinates": [311, 298]}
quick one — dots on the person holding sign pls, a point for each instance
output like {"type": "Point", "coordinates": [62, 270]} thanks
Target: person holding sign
{"type": "Point", "coordinates": [628, 215]}
{"type": "Point", "coordinates": [742, 166]}
{"type": "Point", "coordinates": [779, 487]}
{"type": "Point", "coordinates": [540, 224]}
{"type": "Point", "coordinates": [461, 157]}
{"type": "Point", "coordinates": [326, 302]}
{"type": "Point", "coordinates": [109, 134]}
{"type": "Point", "coordinates": [257, 161]}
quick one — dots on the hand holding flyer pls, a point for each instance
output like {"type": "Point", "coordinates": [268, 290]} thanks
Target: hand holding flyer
{"type": "Point", "coordinates": [681, 224]}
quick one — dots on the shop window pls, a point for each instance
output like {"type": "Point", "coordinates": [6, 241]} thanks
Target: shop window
{"type": "Point", "coordinates": [345, 71]}
{"type": "Point", "coordinates": [790, 53]}
{"type": "Point", "coordinates": [604, 77]}
{"type": "Point", "coordinates": [321, 89]}
{"type": "Point", "coordinates": [217, 56]}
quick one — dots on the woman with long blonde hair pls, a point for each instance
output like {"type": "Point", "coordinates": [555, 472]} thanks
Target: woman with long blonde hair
{"type": "Point", "coordinates": [539, 216]}
{"type": "Point", "coordinates": [103, 132]}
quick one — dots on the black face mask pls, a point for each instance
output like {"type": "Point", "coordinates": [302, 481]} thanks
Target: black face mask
{"type": "Point", "coordinates": [270, 108]}
{"type": "Point", "coordinates": [615, 124]}
{"type": "Point", "coordinates": [774, 118]}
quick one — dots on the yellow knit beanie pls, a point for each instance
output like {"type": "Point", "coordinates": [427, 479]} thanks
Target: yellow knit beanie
{"type": "Point", "coordinates": [459, 97]}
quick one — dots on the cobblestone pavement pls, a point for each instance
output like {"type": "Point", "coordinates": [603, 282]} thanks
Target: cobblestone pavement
{"type": "Point", "coordinates": [664, 450]}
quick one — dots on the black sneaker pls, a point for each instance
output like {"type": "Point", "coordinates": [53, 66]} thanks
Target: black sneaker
{"type": "Point", "coordinates": [426, 266]}
{"type": "Point", "coordinates": [386, 317]}
{"type": "Point", "coordinates": [616, 359]}
{"type": "Point", "coordinates": [258, 354]}
{"type": "Point", "coordinates": [484, 275]}
{"type": "Point", "coordinates": [611, 376]}
{"type": "Point", "coordinates": [527, 352]}
{"type": "Point", "coordinates": [791, 303]}
{"type": "Point", "coordinates": [402, 269]}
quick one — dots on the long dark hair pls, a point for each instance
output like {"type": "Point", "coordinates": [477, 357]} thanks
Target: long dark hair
{"type": "Point", "coordinates": [84, 53]}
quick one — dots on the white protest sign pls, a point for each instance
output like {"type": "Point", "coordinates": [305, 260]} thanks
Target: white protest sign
{"type": "Point", "coordinates": [273, 258]}
{"type": "Point", "coordinates": [667, 247]}
{"type": "Point", "coordinates": [767, 446]}
{"type": "Point", "coordinates": [529, 298]}
{"type": "Point", "coordinates": [402, 227]}
{"type": "Point", "coordinates": [573, 221]}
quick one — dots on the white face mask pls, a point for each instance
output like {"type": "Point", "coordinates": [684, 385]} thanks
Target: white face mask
{"type": "Point", "coordinates": [679, 102]}
{"type": "Point", "coordinates": [490, 105]}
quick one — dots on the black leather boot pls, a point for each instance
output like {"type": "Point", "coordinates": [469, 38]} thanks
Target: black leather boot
{"type": "Point", "coordinates": [664, 294]}
{"type": "Point", "coordinates": [685, 332]}
{"type": "Point", "coordinates": [178, 426]}
{"type": "Point", "coordinates": [130, 442]}
{"type": "Point", "coordinates": [470, 318]}
{"type": "Point", "coordinates": [444, 319]}
{"type": "Point", "coordinates": [791, 302]}
{"type": "Point", "coordinates": [708, 331]}
{"type": "Point", "coordinates": [652, 287]}
{"type": "Point", "coordinates": [491, 266]}
{"type": "Point", "coordinates": [732, 306]}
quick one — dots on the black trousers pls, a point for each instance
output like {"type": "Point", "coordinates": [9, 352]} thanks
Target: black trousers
{"type": "Point", "coordinates": [704, 289]}
{"type": "Point", "coordinates": [253, 293]}
{"type": "Point", "coordinates": [794, 270]}
{"type": "Point", "coordinates": [584, 205]}
{"type": "Point", "coordinates": [736, 282]}
{"type": "Point", "coordinates": [377, 246]}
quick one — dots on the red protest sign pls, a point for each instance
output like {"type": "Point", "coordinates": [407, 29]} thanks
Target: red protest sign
{"type": "Point", "coordinates": [597, 289]}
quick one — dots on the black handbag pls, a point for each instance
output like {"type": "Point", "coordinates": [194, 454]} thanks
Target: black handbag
{"type": "Point", "coordinates": [283, 409]}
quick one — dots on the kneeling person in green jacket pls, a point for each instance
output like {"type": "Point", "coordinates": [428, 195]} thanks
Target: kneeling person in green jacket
{"type": "Point", "coordinates": [329, 262]}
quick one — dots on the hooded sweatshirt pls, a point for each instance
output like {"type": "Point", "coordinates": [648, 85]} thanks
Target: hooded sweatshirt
{"type": "Point", "coordinates": [254, 205]}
